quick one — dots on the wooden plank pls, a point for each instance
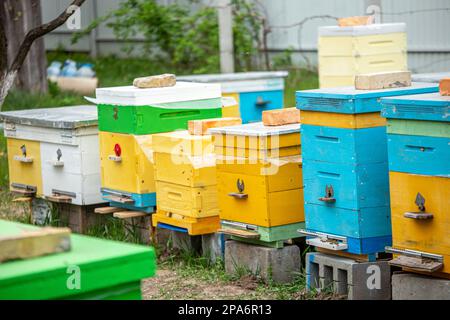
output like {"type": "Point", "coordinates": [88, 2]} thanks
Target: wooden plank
{"type": "Point", "coordinates": [279, 117]}
{"type": "Point", "coordinates": [129, 214]}
{"type": "Point", "coordinates": [240, 233]}
{"type": "Point", "coordinates": [30, 244]}
{"type": "Point", "coordinates": [355, 21]}
{"type": "Point", "coordinates": [120, 199]}
{"type": "Point", "coordinates": [356, 257]}
{"type": "Point", "coordinates": [107, 210]}
{"type": "Point", "coordinates": [59, 198]}
{"type": "Point", "coordinates": [419, 264]}
{"type": "Point", "coordinates": [22, 199]}
{"type": "Point", "coordinates": [200, 127]}
{"type": "Point", "coordinates": [383, 80]}
{"type": "Point", "coordinates": [23, 192]}
{"type": "Point", "coordinates": [444, 87]}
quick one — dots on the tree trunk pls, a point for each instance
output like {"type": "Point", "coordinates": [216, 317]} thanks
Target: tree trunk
{"type": "Point", "coordinates": [20, 17]}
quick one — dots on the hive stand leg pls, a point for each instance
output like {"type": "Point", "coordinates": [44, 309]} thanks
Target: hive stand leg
{"type": "Point", "coordinates": [186, 243]}
{"type": "Point", "coordinates": [78, 218]}
{"type": "Point", "coordinates": [41, 212]}
{"type": "Point", "coordinates": [213, 246]}
{"type": "Point", "coordinates": [279, 265]}
{"type": "Point", "coordinates": [411, 286]}
{"type": "Point", "coordinates": [141, 228]}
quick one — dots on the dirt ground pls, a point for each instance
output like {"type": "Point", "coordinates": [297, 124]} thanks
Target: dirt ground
{"type": "Point", "coordinates": [167, 284]}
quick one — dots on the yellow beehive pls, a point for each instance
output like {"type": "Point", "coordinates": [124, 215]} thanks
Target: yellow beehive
{"type": "Point", "coordinates": [185, 173]}
{"type": "Point", "coordinates": [127, 162]}
{"type": "Point", "coordinates": [254, 187]}
{"type": "Point", "coordinates": [346, 51]}
{"type": "Point", "coordinates": [24, 160]}
{"type": "Point", "coordinates": [343, 120]}
{"type": "Point", "coordinates": [231, 105]}
{"type": "Point", "coordinates": [424, 235]}
{"type": "Point", "coordinates": [194, 226]}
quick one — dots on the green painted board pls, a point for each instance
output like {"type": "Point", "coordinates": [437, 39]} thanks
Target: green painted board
{"type": "Point", "coordinates": [107, 269]}
{"type": "Point", "coordinates": [271, 236]}
{"type": "Point", "coordinates": [418, 128]}
{"type": "Point", "coordinates": [154, 119]}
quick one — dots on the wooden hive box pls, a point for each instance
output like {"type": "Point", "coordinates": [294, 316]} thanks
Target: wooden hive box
{"type": "Point", "coordinates": [260, 179]}
{"type": "Point", "coordinates": [55, 152]}
{"type": "Point", "coordinates": [419, 153]}
{"type": "Point", "coordinates": [185, 173]}
{"type": "Point", "coordinates": [345, 167]}
{"type": "Point", "coordinates": [127, 170]}
{"type": "Point", "coordinates": [253, 91]}
{"type": "Point", "coordinates": [347, 51]}
{"type": "Point", "coordinates": [132, 110]}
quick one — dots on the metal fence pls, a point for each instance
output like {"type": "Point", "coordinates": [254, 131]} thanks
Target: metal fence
{"type": "Point", "coordinates": [294, 25]}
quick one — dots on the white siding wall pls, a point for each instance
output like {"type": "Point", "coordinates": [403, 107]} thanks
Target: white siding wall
{"type": "Point", "coordinates": [428, 43]}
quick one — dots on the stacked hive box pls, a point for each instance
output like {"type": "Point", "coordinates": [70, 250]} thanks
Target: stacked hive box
{"type": "Point", "coordinates": [345, 167]}
{"type": "Point", "coordinates": [259, 182]}
{"type": "Point", "coordinates": [185, 174]}
{"type": "Point", "coordinates": [128, 117]}
{"type": "Point", "coordinates": [53, 153]}
{"type": "Point", "coordinates": [254, 92]}
{"type": "Point", "coordinates": [347, 51]}
{"type": "Point", "coordinates": [419, 163]}
{"type": "Point", "coordinates": [91, 269]}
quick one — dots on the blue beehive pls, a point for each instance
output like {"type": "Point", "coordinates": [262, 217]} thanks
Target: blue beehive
{"type": "Point", "coordinates": [345, 167]}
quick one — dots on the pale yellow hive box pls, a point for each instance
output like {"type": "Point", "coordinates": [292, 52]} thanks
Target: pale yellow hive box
{"type": "Point", "coordinates": [344, 52]}
{"type": "Point", "coordinates": [185, 173]}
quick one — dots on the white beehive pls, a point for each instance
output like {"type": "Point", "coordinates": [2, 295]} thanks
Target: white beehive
{"type": "Point", "coordinates": [69, 150]}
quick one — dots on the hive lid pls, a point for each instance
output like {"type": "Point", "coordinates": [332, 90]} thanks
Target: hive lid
{"type": "Point", "coordinates": [257, 129]}
{"type": "Point", "coordinates": [182, 91]}
{"type": "Point", "coordinates": [365, 30]}
{"type": "Point", "coordinates": [60, 118]}
{"type": "Point", "coordinates": [239, 76]}
{"type": "Point", "coordinates": [430, 77]}
{"type": "Point", "coordinates": [429, 106]}
{"type": "Point", "coordinates": [352, 93]}
{"type": "Point", "coordinates": [103, 264]}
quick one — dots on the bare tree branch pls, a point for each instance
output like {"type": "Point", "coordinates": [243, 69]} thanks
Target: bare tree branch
{"type": "Point", "coordinates": [3, 45]}
{"type": "Point", "coordinates": [38, 32]}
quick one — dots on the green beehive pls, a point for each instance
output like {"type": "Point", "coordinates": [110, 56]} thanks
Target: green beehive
{"type": "Point", "coordinates": [138, 111]}
{"type": "Point", "coordinates": [105, 269]}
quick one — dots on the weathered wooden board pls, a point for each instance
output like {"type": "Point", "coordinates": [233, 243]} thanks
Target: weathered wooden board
{"type": "Point", "coordinates": [129, 214]}
{"type": "Point", "coordinates": [24, 243]}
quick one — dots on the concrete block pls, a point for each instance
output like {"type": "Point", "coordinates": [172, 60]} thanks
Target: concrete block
{"type": "Point", "coordinates": [383, 80]}
{"type": "Point", "coordinates": [41, 212]}
{"type": "Point", "coordinates": [159, 81]}
{"type": "Point", "coordinates": [184, 242]}
{"type": "Point", "coordinates": [444, 87]}
{"type": "Point", "coordinates": [162, 237]}
{"type": "Point", "coordinates": [345, 276]}
{"type": "Point", "coordinates": [411, 286]}
{"type": "Point", "coordinates": [200, 127]}
{"type": "Point", "coordinates": [280, 265]}
{"type": "Point", "coordinates": [213, 246]}
{"type": "Point", "coordinates": [355, 21]}
{"type": "Point", "coordinates": [279, 117]}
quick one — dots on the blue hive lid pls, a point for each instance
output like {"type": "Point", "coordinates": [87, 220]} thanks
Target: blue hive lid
{"type": "Point", "coordinates": [351, 100]}
{"type": "Point", "coordinates": [429, 106]}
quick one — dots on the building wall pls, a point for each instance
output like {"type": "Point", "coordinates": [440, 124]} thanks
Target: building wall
{"type": "Point", "coordinates": [428, 43]}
